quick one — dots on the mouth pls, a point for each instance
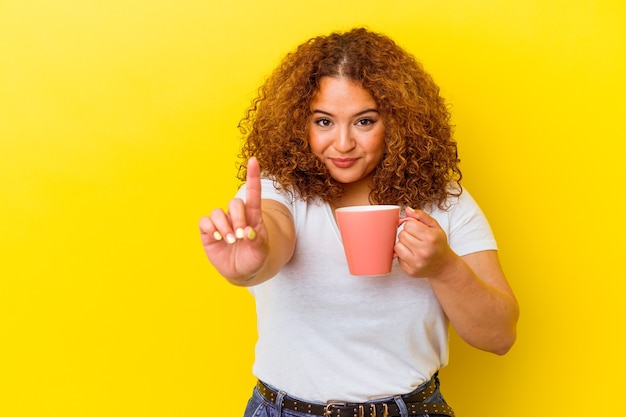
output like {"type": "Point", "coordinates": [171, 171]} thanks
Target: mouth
{"type": "Point", "coordinates": [343, 162]}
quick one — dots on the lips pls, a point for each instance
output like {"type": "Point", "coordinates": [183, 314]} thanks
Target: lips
{"type": "Point", "coordinates": [344, 162]}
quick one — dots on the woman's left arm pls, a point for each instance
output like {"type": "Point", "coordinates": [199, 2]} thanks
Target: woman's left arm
{"type": "Point", "coordinates": [471, 289]}
{"type": "Point", "coordinates": [478, 301]}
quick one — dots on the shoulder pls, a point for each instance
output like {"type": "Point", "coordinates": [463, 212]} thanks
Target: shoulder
{"type": "Point", "coordinates": [465, 224]}
{"type": "Point", "coordinates": [459, 203]}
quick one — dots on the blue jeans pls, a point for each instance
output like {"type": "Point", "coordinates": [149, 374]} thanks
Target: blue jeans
{"type": "Point", "coordinates": [258, 406]}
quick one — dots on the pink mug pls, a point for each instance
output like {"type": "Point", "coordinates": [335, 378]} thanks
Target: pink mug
{"type": "Point", "coordinates": [369, 236]}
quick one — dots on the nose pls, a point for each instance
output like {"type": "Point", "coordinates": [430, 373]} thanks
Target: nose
{"type": "Point", "coordinates": [344, 142]}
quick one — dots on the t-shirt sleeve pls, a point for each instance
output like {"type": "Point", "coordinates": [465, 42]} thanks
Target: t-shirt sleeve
{"type": "Point", "coordinates": [469, 230]}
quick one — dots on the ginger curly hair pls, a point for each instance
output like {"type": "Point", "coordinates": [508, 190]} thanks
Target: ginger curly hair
{"type": "Point", "coordinates": [420, 164]}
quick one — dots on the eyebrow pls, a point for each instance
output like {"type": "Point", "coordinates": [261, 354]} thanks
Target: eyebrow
{"type": "Point", "coordinates": [354, 115]}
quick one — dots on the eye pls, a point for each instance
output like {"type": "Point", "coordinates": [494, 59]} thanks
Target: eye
{"type": "Point", "coordinates": [365, 122]}
{"type": "Point", "coordinates": [323, 122]}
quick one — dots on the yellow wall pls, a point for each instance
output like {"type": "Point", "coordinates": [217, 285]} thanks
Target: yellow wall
{"type": "Point", "coordinates": [118, 131]}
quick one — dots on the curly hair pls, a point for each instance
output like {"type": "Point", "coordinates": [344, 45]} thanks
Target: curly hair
{"type": "Point", "coordinates": [420, 164]}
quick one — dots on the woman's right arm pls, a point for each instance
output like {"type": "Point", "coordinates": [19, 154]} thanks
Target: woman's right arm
{"type": "Point", "coordinates": [251, 242]}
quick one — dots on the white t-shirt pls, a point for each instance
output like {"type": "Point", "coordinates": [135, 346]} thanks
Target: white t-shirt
{"type": "Point", "coordinates": [325, 335]}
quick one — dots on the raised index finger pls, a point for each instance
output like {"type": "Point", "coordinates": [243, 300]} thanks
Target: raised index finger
{"type": "Point", "coordinates": [253, 192]}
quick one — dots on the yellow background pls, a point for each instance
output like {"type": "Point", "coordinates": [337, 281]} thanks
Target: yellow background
{"type": "Point", "coordinates": [118, 131]}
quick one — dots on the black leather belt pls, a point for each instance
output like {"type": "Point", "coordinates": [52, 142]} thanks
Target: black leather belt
{"type": "Point", "coordinates": [414, 403]}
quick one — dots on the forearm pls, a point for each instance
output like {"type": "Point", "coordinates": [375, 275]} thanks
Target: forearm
{"type": "Point", "coordinates": [483, 311]}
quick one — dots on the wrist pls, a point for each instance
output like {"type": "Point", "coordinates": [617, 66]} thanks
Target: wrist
{"type": "Point", "coordinates": [449, 268]}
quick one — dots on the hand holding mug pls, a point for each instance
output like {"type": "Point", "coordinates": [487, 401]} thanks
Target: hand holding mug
{"type": "Point", "coordinates": [422, 249]}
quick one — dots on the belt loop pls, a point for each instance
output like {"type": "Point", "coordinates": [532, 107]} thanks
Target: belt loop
{"type": "Point", "coordinates": [279, 403]}
{"type": "Point", "coordinates": [401, 406]}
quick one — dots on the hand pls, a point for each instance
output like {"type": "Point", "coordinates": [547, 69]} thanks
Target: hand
{"type": "Point", "coordinates": [422, 248]}
{"type": "Point", "coordinates": [236, 242]}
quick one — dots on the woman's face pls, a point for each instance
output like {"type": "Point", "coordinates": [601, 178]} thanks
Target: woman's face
{"type": "Point", "coordinates": [346, 132]}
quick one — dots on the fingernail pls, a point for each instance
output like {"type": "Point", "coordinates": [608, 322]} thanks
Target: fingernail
{"type": "Point", "coordinates": [239, 233]}
{"type": "Point", "coordinates": [412, 210]}
{"type": "Point", "coordinates": [251, 234]}
{"type": "Point", "coordinates": [217, 235]}
{"type": "Point", "coordinates": [230, 238]}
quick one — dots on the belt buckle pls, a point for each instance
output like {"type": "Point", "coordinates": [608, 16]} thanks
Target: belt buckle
{"type": "Point", "coordinates": [328, 410]}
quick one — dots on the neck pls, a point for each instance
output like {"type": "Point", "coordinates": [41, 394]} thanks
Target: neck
{"type": "Point", "coordinates": [355, 194]}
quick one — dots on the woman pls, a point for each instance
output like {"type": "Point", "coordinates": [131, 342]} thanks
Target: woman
{"type": "Point", "coordinates": [353, 119]}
